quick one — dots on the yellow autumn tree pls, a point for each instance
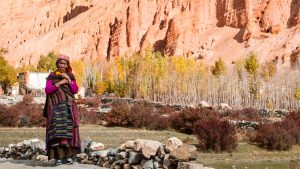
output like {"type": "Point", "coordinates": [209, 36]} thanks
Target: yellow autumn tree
{"type": "Point", "coordinates": [251, 66]}
{"type": "Point", "coordinates": [219, 68]}
{"type": "Point", "coordinates": [78, 69]}
{"type": "Point", "coordinates": [268, 71]}
{"type": "Point", "coordinates": [297, 93]}
{"type": "Point", "coordinates": [8, 74]}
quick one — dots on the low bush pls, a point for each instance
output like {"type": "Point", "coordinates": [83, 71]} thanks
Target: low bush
{"type": "Point", "coordinates": [88, 117]}
{"type": "Point", "coordinates": [273, 137]}
{"type": "Point", "coordinates": [8, 118]}
{"type": "Point", "coordinates": [185, 120]}
{"type": "Point", "coordinates": [91, 102]}
{"type": "Point", "coordinates": [279, 135]}
{"type": "Point", "coordinates": [118, 116]}
{"type": "Point", "coordinates": [22, 114]}
{"type": "Point", "coordinates": [248, 114]}
{"type": "Point", "coordinates": [140, 115]}
{"type": "Point", "coordinates": [30, 114]}
{"type": "Point", "coordinates": [215, 134]}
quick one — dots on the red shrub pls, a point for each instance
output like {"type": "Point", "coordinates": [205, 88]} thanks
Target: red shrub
{"type": "Point", "coordinates": [165, 110]}
{"type": "Point", "coordinates": [30, 114]}
{"type": "Point", "coordinates": [88, 117]}
{"type": "Point", "coordinates": [140, 115]}
{"type": "Point", "coordinates": [158, 122]}
{"type": "Point", "coordinates": [292, 124]}
{"type": "Point", "coordinates": [248, 114]}
{"type": "Point", "coordinates": [215, 134]}
{"type": "Point", "coordinates": [118, 116]}
{"type": "Point", "coordinates": [293, 116]}
{"type": "Point", "coordinates": [185, 120]}
{"type": "Point", "coordinates": [91, 101]}
{"type": "Point", "coordinates": [143, 115]}
{"type": "Point", "coordinates": [8, 118]}
{"type": "Point", "coordinates": [273, 137]}
{"type": "Point", "coordinates": [22, 114]}
{"type": "Point", "coordinates": [28, 98]}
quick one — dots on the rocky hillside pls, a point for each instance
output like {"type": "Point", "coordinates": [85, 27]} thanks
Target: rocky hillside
{"type": "Point", "coordinates": [195, 28]}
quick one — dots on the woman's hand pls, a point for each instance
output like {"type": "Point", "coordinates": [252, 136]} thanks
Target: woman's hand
{"type": "Point", "coordinates": [62, 82]}
{"type": "Point", "coordinates": [64, 75]}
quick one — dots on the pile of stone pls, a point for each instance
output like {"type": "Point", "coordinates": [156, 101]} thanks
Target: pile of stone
{"type": "Point", "coordinates": [274, 112]}
{"type": "Point", "coordinates": [142, 154]}
{"type": "Point", "coordinates": [133, 154]}
{"type": "Point", "coordinates": [33, 149]}
{"type": "Point", "coordinates": [244, 124]}
{"type": "Point", "coordinates": [107, 102]}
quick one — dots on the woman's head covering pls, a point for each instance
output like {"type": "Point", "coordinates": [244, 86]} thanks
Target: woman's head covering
{"type": "Point", "coordinates": [66, 58]}
{"type": "Point", "coordinates": [63, 57]}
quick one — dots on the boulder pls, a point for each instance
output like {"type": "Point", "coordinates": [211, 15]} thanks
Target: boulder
{"type": "Point", "coordinates": [121, 155]}
{"type": "Point", "coordinates": [184, 153]}
{"type": "Point", "coordinates": [147, 164]}
{"type": "Point", "coordinates": [204, 104]}
{"type": "Point", "coordinates": [138, 143]}
{"type": "Point", "coordinates": [41, 158]}
{"type": "Point", "coordinates": [101, 154]}
{"type": "Point", "coordinates": [225, 106]}
{"type": "Point", "coordinates": [173, 143]}
{"type": "Point", "coordinates": [129, 144]}
{"type": "Point", "coordinates": [161, 151]}
{"type": "Point", "coordinates": [169, 163]}
{"type": "Point", "coordinates": [93, 146]}
{"type": "Point", "coordinates": [189, 165]}
{"type": "Point", "coordinates": [112, 152]}
{"type": "Point", "coordinates": [135, 158]}
{"type": "Point", "coordinates": [150, 147]}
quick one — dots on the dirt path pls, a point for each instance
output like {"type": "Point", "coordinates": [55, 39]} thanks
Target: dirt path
{"type": "Point", "coordinates": [26, 164]}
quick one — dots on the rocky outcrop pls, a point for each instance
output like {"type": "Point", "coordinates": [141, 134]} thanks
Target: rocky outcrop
{"type": "Point", "coordinates": [109, 28]}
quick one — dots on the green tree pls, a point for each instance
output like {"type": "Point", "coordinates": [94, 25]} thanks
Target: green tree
{"type": "Point", "coordinates": [219, 68]}
{"type": "Point", "coordinates": [47, 63]}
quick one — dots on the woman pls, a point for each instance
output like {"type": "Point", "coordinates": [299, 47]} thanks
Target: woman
{"type": "Point", "coordinates": [62, 130]}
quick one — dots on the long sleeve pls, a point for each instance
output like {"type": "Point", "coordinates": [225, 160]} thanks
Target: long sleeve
{"type": "Point", "coordinates": [50, 88]}
{"type": "Point", "coordinates": [73, 87]}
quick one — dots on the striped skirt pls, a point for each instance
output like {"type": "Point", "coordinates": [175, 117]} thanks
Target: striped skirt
{"type": "Point", "coordinates": [61, 124]}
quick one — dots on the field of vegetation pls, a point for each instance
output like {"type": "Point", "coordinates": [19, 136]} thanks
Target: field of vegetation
{"type": "Point", "coordinates": [245, 155]}
{"type": "Point", "coordinates": [251, 89]}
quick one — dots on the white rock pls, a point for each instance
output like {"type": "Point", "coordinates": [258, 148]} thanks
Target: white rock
{"type": "Point", "coordinates": [122, 147]}
{"type": "Point", "coordinates": [129, 144]}
{"type": "Point", "coordinates": [173, 143]}
{"type": "Point", "coordinates": [225, 106]}
{"type": "Point", "coordinates": [184, 153]}
{"type": "Point", "coordinates": [204, 104]}
{"type": "Point", "coordinates": [150, 148]}
{"type": "Point", "coordinates": [42, 158]}
{"type": "Point", "coordinates": [96, 146]}
{"type": "Point", "coordinates": [138, 143]}
{"type": "Point", "coordinates": [35, 143]}
{"type": "Point", "coordinates": [11, 146]}
{"type": "Point", "coordinates": [189, 165]}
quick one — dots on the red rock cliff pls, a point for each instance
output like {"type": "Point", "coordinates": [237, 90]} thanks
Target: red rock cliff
{"type": "Point", "coordinates": [107, 28]}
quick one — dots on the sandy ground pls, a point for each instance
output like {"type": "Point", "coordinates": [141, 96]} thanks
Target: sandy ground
{"type": "Point", "coordinates": [26, 164]}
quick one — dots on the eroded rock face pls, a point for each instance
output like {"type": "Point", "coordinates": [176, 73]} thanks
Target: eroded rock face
{"type": "Point", "coordinates": [109, 28]}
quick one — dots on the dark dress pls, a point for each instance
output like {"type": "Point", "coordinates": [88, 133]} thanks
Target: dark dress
{"type": "Point", "coordinates": [62, 129]}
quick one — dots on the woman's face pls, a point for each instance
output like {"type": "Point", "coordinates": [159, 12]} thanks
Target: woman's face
{"type": "Point", "coordinates": [62, 66]}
